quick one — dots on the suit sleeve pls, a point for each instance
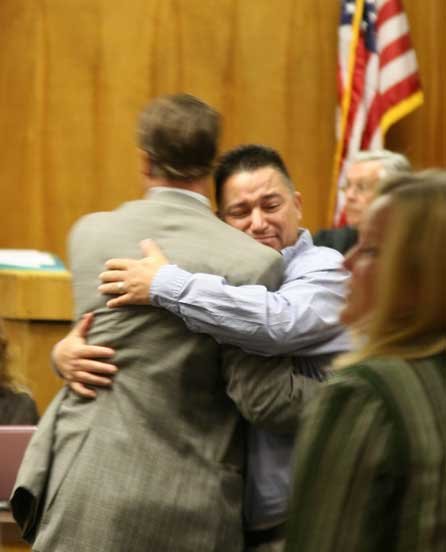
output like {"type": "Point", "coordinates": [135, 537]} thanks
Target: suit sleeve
{"type": "Point", "coordinates": [345, 478]}
{"type": "Point", "coordinates": [269, 392]}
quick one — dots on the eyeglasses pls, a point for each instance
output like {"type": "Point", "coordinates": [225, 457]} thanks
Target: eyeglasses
{"type": "Point", "coordinates": [359, 187]}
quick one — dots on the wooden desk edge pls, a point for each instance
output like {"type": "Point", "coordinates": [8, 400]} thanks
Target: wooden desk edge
{"type": "Point", "coordinates": [6, 517]}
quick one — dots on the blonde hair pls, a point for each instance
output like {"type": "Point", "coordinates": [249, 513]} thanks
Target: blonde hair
{"type": "Point", "coordinates": [409, 317]}
{"type": "Point", "coordinates": [5, 376]}
{"type": "Point", "coordinates": [7, 379]}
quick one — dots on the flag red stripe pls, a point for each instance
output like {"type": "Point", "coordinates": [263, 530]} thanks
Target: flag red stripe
{"type": "Point", "coordinates": [400, 91]}
{"type": "Point", "coordinates": [389, 10]}
{"type": "Point", "coordinates": [386, 101]}
{"type": "Point", "coordinates": [394, 49]}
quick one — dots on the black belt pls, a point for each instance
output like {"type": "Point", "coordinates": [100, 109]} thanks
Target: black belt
{"type": "Point", "coordinates": [263, 536]}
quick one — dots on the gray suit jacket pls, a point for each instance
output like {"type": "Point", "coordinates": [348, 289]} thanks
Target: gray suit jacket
{"type": "Point", "coordinates": [156, 462]}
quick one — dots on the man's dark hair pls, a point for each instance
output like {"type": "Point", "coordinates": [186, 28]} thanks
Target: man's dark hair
{"type": "Point", "coordinates": [249, 158]}
{"type": "Point", "coordinates": [180, 135]}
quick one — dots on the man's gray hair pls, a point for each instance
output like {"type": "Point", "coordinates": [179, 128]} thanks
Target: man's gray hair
{"type": "Point", "coordinates": [391, 162]}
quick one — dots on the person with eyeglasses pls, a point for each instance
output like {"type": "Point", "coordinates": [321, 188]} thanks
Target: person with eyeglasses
{"type": "Point", "coordinates": [363, 175]}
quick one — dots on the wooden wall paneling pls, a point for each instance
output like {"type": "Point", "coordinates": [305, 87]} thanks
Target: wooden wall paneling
{"type": "Point", "coordinates": [73, 77]}
{"type": "Point", "coordinates": [20, 207]}
{"type": "Point", "coordinates": [311, 103]}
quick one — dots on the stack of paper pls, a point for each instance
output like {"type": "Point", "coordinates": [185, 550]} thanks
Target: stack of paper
{"type": "Point", "coordinates": [29, 259]}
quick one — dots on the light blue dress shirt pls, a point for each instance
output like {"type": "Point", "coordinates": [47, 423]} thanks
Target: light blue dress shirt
{"type": "Point", "coordinates": [300, 319]}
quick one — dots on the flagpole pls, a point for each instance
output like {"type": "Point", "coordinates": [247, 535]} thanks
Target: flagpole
{"type": "Point", "coordinates": [346, 102]}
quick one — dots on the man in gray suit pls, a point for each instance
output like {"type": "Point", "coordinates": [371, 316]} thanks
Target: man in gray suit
{"type": "Point", "coordinates": [156, 463]}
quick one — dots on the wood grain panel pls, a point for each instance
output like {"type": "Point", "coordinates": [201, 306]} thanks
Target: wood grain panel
{"type": "Point", "coordinates": [73, 76]}
{"type": "Point", "coordinates": [10, 540]}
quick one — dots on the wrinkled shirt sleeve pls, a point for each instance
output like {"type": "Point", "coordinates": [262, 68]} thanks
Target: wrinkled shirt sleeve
{"type": "Point", "coordinates": [300, 318]}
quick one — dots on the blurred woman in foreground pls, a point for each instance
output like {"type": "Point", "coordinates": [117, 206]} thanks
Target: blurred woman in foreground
{"type": "Point", "coordinates": [371, 452]}
{"type": "Point", "coordinates": [16, 405]}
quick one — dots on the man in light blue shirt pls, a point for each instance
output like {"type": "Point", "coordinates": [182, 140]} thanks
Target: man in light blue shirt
{"type": "Point", "coordinates": [254, 194]}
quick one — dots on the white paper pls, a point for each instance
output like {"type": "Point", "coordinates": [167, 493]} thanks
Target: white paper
{"type": "Point", "coordinates": [27, 258]}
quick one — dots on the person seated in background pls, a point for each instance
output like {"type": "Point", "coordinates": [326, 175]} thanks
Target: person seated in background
{"type": "Point", "coordinates": [16, 405]}
{"type": "Point", "coordinates": [371, 449]}
{"type": "Point", "coordinates": [363, 175]}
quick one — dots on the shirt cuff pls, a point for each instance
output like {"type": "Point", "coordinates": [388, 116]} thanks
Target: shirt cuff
{"type": "Point", "coordinates": [167, 286]}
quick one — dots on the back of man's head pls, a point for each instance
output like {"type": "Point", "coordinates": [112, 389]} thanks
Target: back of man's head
{"type": "Point", "coordinates": [180, 135]}
{"type": "Point", "coordinates": [247, 158]}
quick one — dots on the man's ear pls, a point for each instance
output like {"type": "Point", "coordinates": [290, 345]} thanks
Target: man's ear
{"type": "Point", "coordinates": [297, 198]}
{"type": "Point", "coordinates": [144, 162]}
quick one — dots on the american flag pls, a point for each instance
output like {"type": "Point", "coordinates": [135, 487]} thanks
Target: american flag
{"type": "Point", "coordinates": [378, 81]}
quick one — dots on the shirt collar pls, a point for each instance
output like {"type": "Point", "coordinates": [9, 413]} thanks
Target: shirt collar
{"type": "Point", "coordinates": [304, 241]}
{"type": "Point", "coordinates": [159, 189]}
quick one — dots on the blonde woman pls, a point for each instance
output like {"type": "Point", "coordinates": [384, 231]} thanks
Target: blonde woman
{"type": "Point", "coordinates": [16, 405]}
{"type": "Point", "coordinates": [371, 451]}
